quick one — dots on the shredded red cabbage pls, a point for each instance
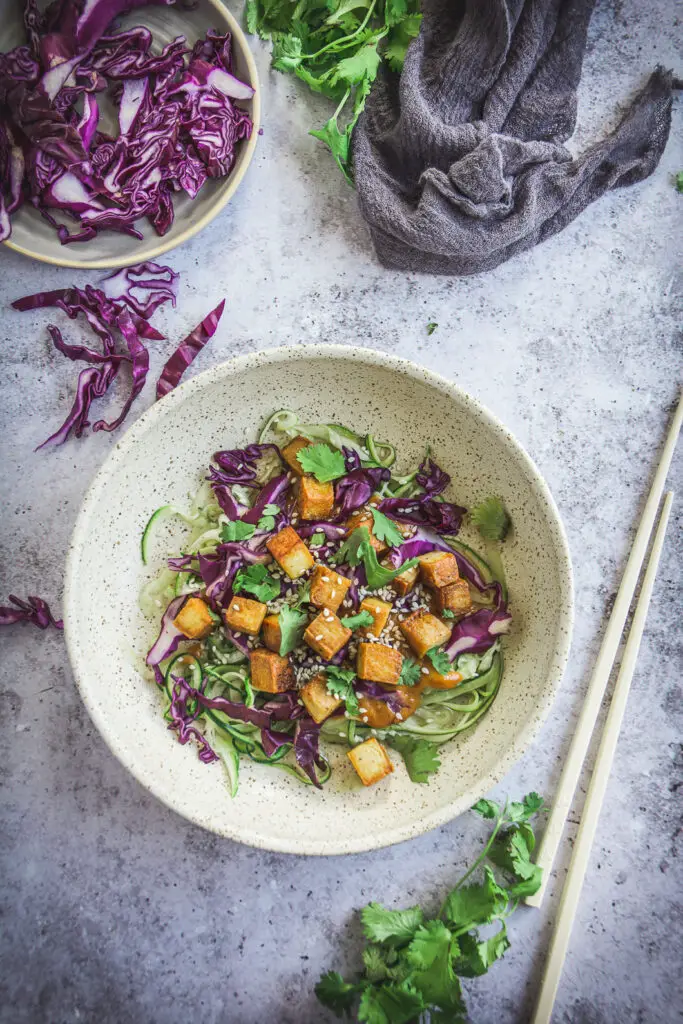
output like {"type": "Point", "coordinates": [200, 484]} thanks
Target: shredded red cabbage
{"type": "Point", "coordinates": [34, 610]}
{"type": "Point", "coordinates": [432, 478]}
{"type": "Point", "coordinates": [178, 119]}
{"type": "Point", "coordinates": [422, 510]}
{"type": "Point", "coordinates": [188, 350]}
{"type": "Point", "coordinates": [306, 749]}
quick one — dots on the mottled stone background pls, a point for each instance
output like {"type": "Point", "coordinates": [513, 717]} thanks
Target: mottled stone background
{"type": "Point", "coordinates": [115, 910]}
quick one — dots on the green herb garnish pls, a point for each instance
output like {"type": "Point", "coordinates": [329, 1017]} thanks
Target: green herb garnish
{"type": "Point", "coordinates": [323, 462]}
{"type": "Point", "coordinates": [386, 530]}
{"type": "Point", "coordinates": [413, 965]}
{"type": "Point", "coordinates": [292, 624]}
{"type": "Point", "coordinates": [679, 181]}
{"type": "Point", "coordinates": [317, 540]}
{"type": "Point", "coordinates": [340, 685]}
{"type": "Point", "coordinates": [410, 673]}
{"type": "Point", "coordinates": [267, 520]}
{"type": "Point", "coordinates": [447, 614]}
{"type": "Point", "coordinates": [431, 326]}
{"type": "Point", "coordinates": [236, 530]}
{"type": "Point", "coordinates": [420, 756]}
{"type": "Point", "coordinates": [358, 548]}
{"type": "Point", "coordinates": [491, 519]}
{"type": "Point", "coordinates": [363, 618]}
{"type": "Point", "coordinates": [336, 48]}
{"type": "Point", "coordinates": [439, 660]}
{"type": "Point", "coordinates": [256, 580]}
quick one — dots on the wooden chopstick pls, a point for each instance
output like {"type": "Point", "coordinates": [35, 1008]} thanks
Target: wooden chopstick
{"type": "Point", "coordinates": [598, 786]}
{"type": "Point", "coordinates": [603, 666]}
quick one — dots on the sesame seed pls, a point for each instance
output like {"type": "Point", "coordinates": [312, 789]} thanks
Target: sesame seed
{"type": "Point", "coordinates": [237, 635]}
{"type": "Point", "coordinates": [365, 718]}
{"type": "Point", "coordinates": [333, 593]}
{"type": "Point", "coordinates": [340, 580]}
{"type": "Point", "coordinates": [236, 607]}
{"type": "Point", "coordinates": [399, 716]}
{"type": "Point", "coordinates": [325, 579]}
{"type": "Point", "coordinates": [317, 638]}
{"type": "Point", "coordinates": [424, 671]}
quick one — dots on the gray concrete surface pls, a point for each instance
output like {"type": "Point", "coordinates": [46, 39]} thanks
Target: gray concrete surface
{"type": "Point", "coordinates": [115, 910]}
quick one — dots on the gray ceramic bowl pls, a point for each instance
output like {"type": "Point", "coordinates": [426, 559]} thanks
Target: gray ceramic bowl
{"type": "Point", "coordinates": [32, 236]}
{"type": "Point", "coordinates": [163, 457]}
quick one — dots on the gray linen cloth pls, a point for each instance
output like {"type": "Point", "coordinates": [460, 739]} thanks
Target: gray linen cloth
{"type": "Point", "coordinates": [459, 164]}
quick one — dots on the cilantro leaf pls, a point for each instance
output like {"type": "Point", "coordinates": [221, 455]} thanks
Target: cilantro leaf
{"type": "Point", "coordinates": [340, 685]}
{"type": "Point", "coordinates": [386, 530]}
{"type": "Point", "coordinates": [292, 624]}
{"type": "Point", "coordinates": [335, 993]}
{"type": "Point", "coordinates": [399, 39]}
{"type": "Point", "coordinates": [358, 548]}
{"type": "Point", "coordinates": [476, 957]}
{"type": "Point", "coordinates": [471, 905]}
{"type": "Point", "coordinates": [363, 618]}
{"type": "Point", "coordinates": [411, 673]}
{"type": "Point", "coordinates": [339, 144]}
{"type": "Point", "coordinates": [491, 519]}
{"type": "Point", "coordinates": [256, 580]}
{"type": "Point", "coordinates": [236, 530]}
{"type": "Point", "coordinates": [487, 808]}
{"type": "Point", "coordinates": [376, 963]}
{"type": "Point", "coordinates": [439, 660]}
{"type": "Point", "coordinates": [317, 540]}
{"type": "Point", "coordinates": [431, 953]}
{"type": "Point", "coordinates": [420, 756]}
{"type": "Point", "coordinates": [431, 326]}
{"type": "Point", "coordinates": [679, 181]}
{"type": "Point", "coordinates": [511, 852]}
{"type": "Point", "coordinates": [323, 462]}
{"type": "Point", "coordinates": [390, 1004]}
{"type": "Point", "coordinates": [382, 925]}
{"type": "Point", "coordinates": [447, 614]}
{"type": "Point", "coordinates": [267, 520]}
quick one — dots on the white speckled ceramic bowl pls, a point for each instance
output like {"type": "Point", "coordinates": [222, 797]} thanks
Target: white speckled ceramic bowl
{"type": "Point", "coordinates": [162, 458]}
{"type": "Point", "coordinates": [32, 236]}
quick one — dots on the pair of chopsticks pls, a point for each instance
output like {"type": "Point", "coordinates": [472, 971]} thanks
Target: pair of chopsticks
{"type": "Point", "coordinates": [586, 724]}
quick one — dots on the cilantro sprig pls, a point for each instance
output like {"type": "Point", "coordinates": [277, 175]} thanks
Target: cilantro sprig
{"type": "Point", "coordinates": [420, 757]}
{"type": "Point", "coordinates": [386, 530]}
{"type": "Point", "coordinates": [256, 580]}
{"type": "Point", "coordinates": [267, 520]}
{"type": "Point", "coordinates": [363, 618]}
{"type": "Point", "coordinates": [340, 685]}
{"type": "Point", "coordinates": [411, 673]}
{"type": "Point", "coordinates": [439, 660]}
{"type": "Point", "coordinates": [323, 462]}
{"type": "Point", "coordinates": [336, 48]}
{"type": "Point", "coordinates": [236, 531]}
{"type": "Point", "coordinates": [358, 548]}
{"type": "Point", "coordinates": [292, 623]}
{"type": "Point", "coordinates": [491, 519]}
{"type": "Point", "coordinates": [413, 965]}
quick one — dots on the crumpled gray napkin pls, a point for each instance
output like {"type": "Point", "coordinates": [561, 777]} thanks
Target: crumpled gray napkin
{"type": "Point", "coordinates": [460, 164]}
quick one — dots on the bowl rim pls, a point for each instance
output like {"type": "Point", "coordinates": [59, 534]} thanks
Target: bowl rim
{"type": "Point", "coordinates": [233, 181]}
{"type": "Point", "coordinates": [403, 831]}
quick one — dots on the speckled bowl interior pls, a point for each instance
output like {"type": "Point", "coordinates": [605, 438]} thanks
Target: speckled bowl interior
{"type": "Point", "coordinates": [162, 459]}
{"type": "Point", "coordinates": [32, 235]}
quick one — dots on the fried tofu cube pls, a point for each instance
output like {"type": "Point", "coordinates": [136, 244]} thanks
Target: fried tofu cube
{"type": "Point", "coordinates": [194, 619]}
{"type": "Point", "coordinates": [317, 699]}
{"type": "Point", "coordinates": [290, 552]}
{"type": "Point", "coordinates": [328, 588]}
{"type": "Point", "coordinates": [290, 451]}
{"type": "Point", "coordinates": [379, 663]}
{"type": "Point", "coordinates": [438, 569]}
{"type": "Point", "coordinates": [456, 597]}
{"type": "Point", "coordinates": [244, 615]}
{"type": "Point", "coordinates": [271, 633]}
{"type": "Point", "coordinates": [379, 610]}
{"type": "Point", "coordinates": [423, 631]}
{"type": "Point", "coordinates": [371, 761]}
{"type": "Point", "coordinates": [270, 672]}
{"type": "Point", "coordinates": [405, 581]}
{"type": "Point", "coordinates": [326, 635]}
{"type": "Point", "coordinates": [364, 518]}
{"type": "Point", "coordinates": [314, 500]}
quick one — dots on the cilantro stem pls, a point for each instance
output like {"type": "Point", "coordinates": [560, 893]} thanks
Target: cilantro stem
{"type": "Point", "coordinates": [341, 105]}
{"type": "Point", "coordinates": [344, 39]}
{"type": "Point", "coordinates": [482, 856]}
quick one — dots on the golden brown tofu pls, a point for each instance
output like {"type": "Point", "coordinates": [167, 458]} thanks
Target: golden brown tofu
{"type": "Point", "coordinates": [371, 761]}
{"type": "Point", "coordinates": [438, 569]}
{"type": "Point", "coordinates": [379, 610]}
{"type": "Point", "coordinates": [326, 635]}
{"type": "Point", "coordinates": [364, 518]}
{"type": "Point", "coordinates": [423, 631]}
{"type": "Point", "coordinates": [289, 454]}
{"type": "Point", "coordinates": [290, 552]}
{"type": "Point", "coordinates": [328, 588]}
{"type": "Point", "coordinates": [377, 713]}
{"type": "Point", "coordinates": [270, 672]}
{"type": "Point", "coordinates": [437, 680]}
{"type": "Point", "coordinates": [194, 619]}
{"type": "Point", "coordinates": [317, 699]}
{"type": "Point", "coordinates": [271, 633]}
{"type": "Point", "coordinates": [314, 500]}
{"type": "Point", "coordinates": [456, 597]}
{"type": "Point", "coordinates": [244, 615]}
{"type": "Point", "coordinates": [379, 663]}
{"type": "Point", "coordinates": [405, 581]}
